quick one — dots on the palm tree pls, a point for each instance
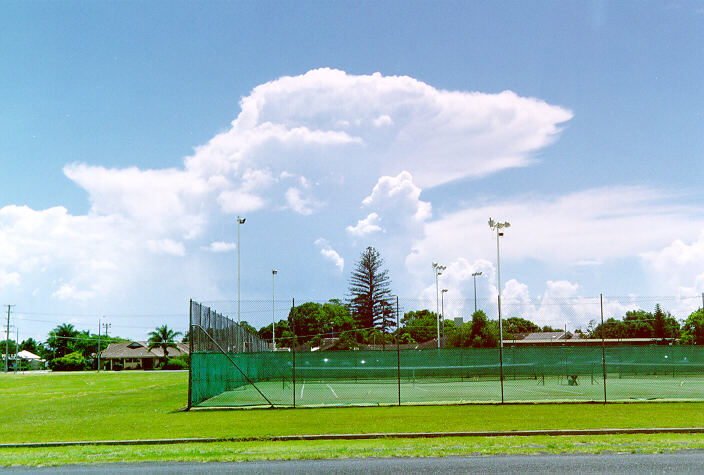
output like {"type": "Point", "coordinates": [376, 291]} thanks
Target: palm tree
{"type": "Point", "coordinates": [163, 338]}
{"type": "Point", "coordinates": [62, 340]}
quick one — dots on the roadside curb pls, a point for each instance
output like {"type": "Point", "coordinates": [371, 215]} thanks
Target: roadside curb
{"type": "Point", "coordinates": [375, 435]}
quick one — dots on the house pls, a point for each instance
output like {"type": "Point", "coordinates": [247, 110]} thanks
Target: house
{"type": "Point", "coordinates": [136, 355]}
{"type": "Point", "coordinates": [32, 361]}
{"type": "Point", "coordinates": [562, 338]}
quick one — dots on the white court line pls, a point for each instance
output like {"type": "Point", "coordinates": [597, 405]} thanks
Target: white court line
{"type": "Point", "coordinates": [421, 389]}
{"type": "Point", "coordinates": [302, 386]}
{"type": "Point", "coordinates": [544, 391]}
{"type": "Point", "coordinates": [333, 391]}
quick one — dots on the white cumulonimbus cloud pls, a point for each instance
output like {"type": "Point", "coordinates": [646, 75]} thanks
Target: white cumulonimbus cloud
{"type": "Point", "coordinates": [309, 143]}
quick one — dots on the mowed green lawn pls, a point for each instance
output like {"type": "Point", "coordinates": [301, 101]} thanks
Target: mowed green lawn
{"type": "Point", "coordinates": [145, 405]}
{"type": "Point", "coordinates": [38, 407]}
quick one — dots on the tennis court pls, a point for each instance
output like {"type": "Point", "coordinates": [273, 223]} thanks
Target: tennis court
{"type": "Point", "coordinates": [230, 368]}
{"type": "Point", "coordinates": [554, 388]}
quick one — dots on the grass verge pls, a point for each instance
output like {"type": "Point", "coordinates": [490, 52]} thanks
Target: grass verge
{"type": "Point", "coordinates": [144, 405]}
{"type": "Point", "coordinates": [250, 451]}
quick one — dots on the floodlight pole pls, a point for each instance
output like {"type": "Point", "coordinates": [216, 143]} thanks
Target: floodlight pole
{"type": "Point", "coordinates": [273, 320]}
{"type": "Point", "coordinates": [497, 227]}
{"type": "Point", "coordinates": [438, 272]}
{"type": "Point", "coordinates": [240, 220]}
{"type": "Point", "coordinates": [442, 313]}
{"type": "Point", "coordinates": [474, 275]}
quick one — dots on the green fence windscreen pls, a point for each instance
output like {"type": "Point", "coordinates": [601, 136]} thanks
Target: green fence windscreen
{"type": "Point", "coordinates": [559, 373]}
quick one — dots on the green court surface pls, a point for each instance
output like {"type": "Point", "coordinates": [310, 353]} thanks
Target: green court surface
{"type": "Point", "coordinates": [553, 388]}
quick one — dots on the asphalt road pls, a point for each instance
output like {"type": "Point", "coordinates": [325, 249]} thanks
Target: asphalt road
{"type": "Point", "coordinates": [677, 462]}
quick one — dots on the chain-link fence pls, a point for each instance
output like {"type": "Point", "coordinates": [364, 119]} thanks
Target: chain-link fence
{"type": "Point", "coordinates": [391, 366]}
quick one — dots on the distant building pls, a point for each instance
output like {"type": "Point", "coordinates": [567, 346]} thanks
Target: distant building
{"type": "Point", "coordinates": [563, 338]}
{"type": "Point", "coordinates": [136, 355]}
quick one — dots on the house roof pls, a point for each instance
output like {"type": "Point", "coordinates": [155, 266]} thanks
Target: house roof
{"type": "Point", "coordinates": [27, 355]}
{"type": "Point", "coordinates": [139, 349]}
{"type": "Point", "coordinates": [547, 336]}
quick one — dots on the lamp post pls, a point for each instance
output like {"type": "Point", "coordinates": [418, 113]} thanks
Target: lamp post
{"type": "Point", "coordinates": [498, 227]}
{"type": "Point", "coordinates": [442, 312]}
{"type": "Point", "coordinates": [438, 272]}
{"type": "Point", "coordinates": [240, 220]}
{"type": "Point", "coordinates": [273, 320]}
{"type": "Point", "coordinates": [475, 274]}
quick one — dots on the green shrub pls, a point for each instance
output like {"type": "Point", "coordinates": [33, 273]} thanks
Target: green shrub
{"type": "Point", "coordinates": [71, 362]}
{"type": "Point", "coordinates": [175, 363]}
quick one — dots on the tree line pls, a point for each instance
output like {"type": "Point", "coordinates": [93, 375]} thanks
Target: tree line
{"type": "Point", "coordinates": [70, 349]}
{"type": "Point", "coordinates": [367, 317]}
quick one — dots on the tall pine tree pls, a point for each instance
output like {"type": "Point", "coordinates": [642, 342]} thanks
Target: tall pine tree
{"type": "Point", "coordinates": [370, 290]}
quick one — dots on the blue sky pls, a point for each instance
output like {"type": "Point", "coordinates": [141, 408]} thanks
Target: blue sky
{"type": "Point", "coordinates": [133, 133]}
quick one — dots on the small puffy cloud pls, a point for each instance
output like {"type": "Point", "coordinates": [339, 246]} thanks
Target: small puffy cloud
{"type": "Point", "coordinates": [330, 254]}
{"type": "Point", "coordinates": [365, 226]}
{"type": "Point", "coordinates": [298, 203]}
{"type": "Point", "coordinates": [221, 246]}
{"type": "Point", "coordinates": [457, 278]}
{"type": "Point", "coordinates": [69, 292]}
{"type": "Point", "coordinates": [238, 201]}
{"type": "Point", "coordinates": [383, 120]}
{"type": "Point", "coordinates": [9, 278]}
{"type": "Point", "coordinates": [166, 246]}
{"type": "Point", "coordinates": [680, 266]}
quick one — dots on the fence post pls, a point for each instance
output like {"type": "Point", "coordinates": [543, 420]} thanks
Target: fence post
{"type": "Point", "coordinates": [501, 355]}
{"type": "Point", "coordinates": [398, 353]}
{"type": "Point", "coordinates": [293, 349]}
{"type": "Point", "coordinates": [603, 349]}
{"type": "Point", "coordinates": [190, 353]}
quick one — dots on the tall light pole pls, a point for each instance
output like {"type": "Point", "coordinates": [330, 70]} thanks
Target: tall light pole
{"type": "Point", "coordinates": [475, 274]}
{"type": "Point", "coordinates": [273, 320]}
{"type": "Point", "coordinates": [442, 312]}
{"type": "Point", "coordinates": [498, 227]}
{"type": "Point", "coordinates": [240, 220]}
{"type": "Point", "coordinates": [438, 272]}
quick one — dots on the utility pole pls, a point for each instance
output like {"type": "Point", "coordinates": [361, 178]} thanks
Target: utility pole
{"type": "Point", "coordinates": [100, 348]}
{"type": "Point", "coordinates": [7, 339]}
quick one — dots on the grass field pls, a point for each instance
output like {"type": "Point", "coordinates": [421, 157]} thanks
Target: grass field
{"type": "Point", "coordinates": [145, 405]}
